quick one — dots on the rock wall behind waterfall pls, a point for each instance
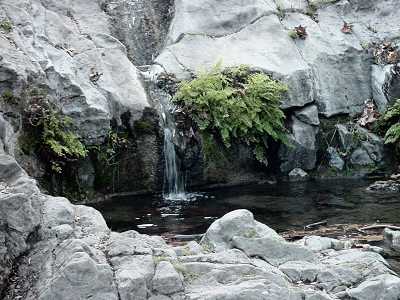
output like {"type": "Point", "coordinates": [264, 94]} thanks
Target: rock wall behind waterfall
{"type": "Point", "coordinates": [90, 57]}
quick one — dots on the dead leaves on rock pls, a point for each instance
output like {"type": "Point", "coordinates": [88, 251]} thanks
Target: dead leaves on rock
{"type": "Point", "coordinates": [369, 115]}
{"type": "Point", "coordinates": [386, 54]}
{"type": "Point", "coordinates": [347, 28]}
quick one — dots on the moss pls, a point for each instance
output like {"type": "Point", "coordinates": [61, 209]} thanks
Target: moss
{"type": "Point", "coordinates": [158, 259]}
{"type": "Point", "coordinates": [293, 34]}
{"type": "Point", "coordinates": [143, 127]}
{"type": "Point", "coordinates": [388, 125]}
{"type": "Point", "coordinates": [28, 143]}
{"type": "Point", "coordinates": [251, 233]}
{"type": "Point", "coordinates": [108, 158]}
{"type": "Point", "coordinates": [6, 25]}
{"type": "Point", "coordinates": [9, 98]}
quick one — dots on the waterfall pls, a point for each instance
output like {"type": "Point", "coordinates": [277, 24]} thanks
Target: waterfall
{"type": "Point", "coordinates": [174, 179]}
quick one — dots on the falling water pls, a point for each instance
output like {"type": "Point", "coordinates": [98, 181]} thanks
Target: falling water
{"type": "Point", "coordinates": [174, 177]}
{"type": "Point", "coordinates": [174, 181]}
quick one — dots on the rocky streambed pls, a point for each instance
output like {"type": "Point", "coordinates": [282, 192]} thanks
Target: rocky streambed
{"type": "Point", "coordinates": [52, 249]}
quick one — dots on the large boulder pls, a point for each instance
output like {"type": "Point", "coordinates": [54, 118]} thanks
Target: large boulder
{"type": "Point", "coordinates": [235, 224]}
{"type": "Point", "coordinates": [68, 49]}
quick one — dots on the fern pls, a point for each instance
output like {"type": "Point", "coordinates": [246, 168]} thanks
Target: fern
{"type": "Point", "coordinates": [389, 126]}
{"type": "Point", "coordinates": [60, 141]}
{"type": "Point", "coordinates": [392, 136]}
{"type": "Point", "coordinates": [235, 104]}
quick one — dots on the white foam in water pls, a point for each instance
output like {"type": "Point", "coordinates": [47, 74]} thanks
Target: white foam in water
{"type": "Point", "coordinates": [182, 196]}
{"type": "Point", "coordinates": [142, 226]}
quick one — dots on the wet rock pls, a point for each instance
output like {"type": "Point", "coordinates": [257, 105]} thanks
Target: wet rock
{"type": "Point", "coordinates": [345, 136]}
{"type": "Point", "coordinates": [392, 239]}
{"type": "Point", "coordinates": [385, 186]}
{"type": "Point", "coordinates": [335, 161]}
{"type": "Point", "coordinates": [302, 150]}
{"type": "Point", "coordinates": [298, 175]}
{"type": "Point", "coordinates": [360, 157]}
{"type": "Point", "coordinates": [166, 279]}
{"type": "Point", "coordinates": [309, 115]}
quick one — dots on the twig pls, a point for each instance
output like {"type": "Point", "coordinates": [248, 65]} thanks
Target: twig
{"type": "Point", "coordinates": [380, 226]}
{"type": "Point", "coordinates": [309, 226]}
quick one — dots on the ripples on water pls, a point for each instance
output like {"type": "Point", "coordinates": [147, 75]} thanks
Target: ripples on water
{"type": "Point", "coordinates": [282, 207]}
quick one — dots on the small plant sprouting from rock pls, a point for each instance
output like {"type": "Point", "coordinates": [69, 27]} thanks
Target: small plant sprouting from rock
{"type": "Point", "coordinates": [9, 98]}
{"type": "Point", "coordinates": [298, 32]}
{"type": "Point", "coordinates": [280, 10]}
{"type": "Point", "coordinates": [389, 125]}
{"type": "Point", "coordinates": [293, 34]}
{"type": "Point", "coordinates": [6, 25]}
{"type": "Point", "coordinates": [235, 105]}
{"type": "Point", "coordinates": [57, 143]}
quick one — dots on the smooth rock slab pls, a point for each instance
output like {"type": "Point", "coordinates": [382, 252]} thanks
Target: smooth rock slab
{"type": "Point", "coordinates": [383, 287]}
{"type": "Point", "coordinates": [275, 252]}
{"type": "Point", "coordinates": [166, 279]}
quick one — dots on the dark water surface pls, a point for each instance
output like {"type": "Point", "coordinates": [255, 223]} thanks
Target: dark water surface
{"type": "Point", "coordinates": [283, 206]}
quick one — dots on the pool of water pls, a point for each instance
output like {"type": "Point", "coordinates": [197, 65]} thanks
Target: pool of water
{"type": "Point", "coordinates": [283, 206]}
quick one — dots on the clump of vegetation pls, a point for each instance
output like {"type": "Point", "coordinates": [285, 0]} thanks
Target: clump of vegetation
{"type": "Point", "coordinates": [293, 34]}
{"type": "Point", "coordinates": [298, 32]}
{"type": "Point", "coordinates": [6, 25]}
{"type": "Point", "coordinates": [235, 105]}
{"type": "Point", "coordinates": [108, 158]}
{"type": "Point", "coordinates": [280, 9]}
{"type": "Point", "coordinates": [114, 144]}
{"type": "Point", "coordinates": [389, 125]}
{"type": "Point", "coordinates": [313, 6]}
{"type": "Point", "coordinates": [55, 140]}
{"type": "Point", "coordinates": [311, 11]}
{"type": "Point", "coordinates": [9, 98]}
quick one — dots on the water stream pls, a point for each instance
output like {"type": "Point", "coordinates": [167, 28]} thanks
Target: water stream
{"type": "Point", "coordinates": [174, 179]}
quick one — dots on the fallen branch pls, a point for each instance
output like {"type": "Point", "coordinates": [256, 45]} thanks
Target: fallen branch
{"type": "Point", "coordinates": [313, 225]}
{"type": "Point", "coordinates": [380, 226]}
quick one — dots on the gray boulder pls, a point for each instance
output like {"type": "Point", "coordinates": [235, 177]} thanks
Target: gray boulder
{"type": "Point", "coordinates": [166, 279]}
{"type": "Point", "coordinates": [298, 175]}
{"type": "Point", "coordinates": [275, 252]}
{"type": "Point", "coordinates": [335, 161]}
{"type": "Point", "coordinates": [75, 58]}
{"type": "Point", "coordinates": [309, 115]}
{"type": "Point", "coordinates": [360, 157]}
{"type": "Point", "coordinates": [220, 234]}
{"type": "Point", "coordinates": [383, 287]}
{"type": "Point", "coordinates": [301, 152]}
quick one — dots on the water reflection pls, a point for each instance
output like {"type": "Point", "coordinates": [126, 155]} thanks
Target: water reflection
{"type": "Point", "coordinates": [283, 206]}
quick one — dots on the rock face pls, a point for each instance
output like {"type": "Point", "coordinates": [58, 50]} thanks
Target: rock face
{"type": "Point", "coordinates": [70, 51]}
{"type": "Point", "coordinates": [51, 249]}
{"type": "Point", "coordinates": [329, 73]}
{"type": "Point", "coordinates": [91, 59]}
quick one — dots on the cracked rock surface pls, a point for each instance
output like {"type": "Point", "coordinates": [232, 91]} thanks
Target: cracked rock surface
{"type": "Point", "coordinates": [51, 249]}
